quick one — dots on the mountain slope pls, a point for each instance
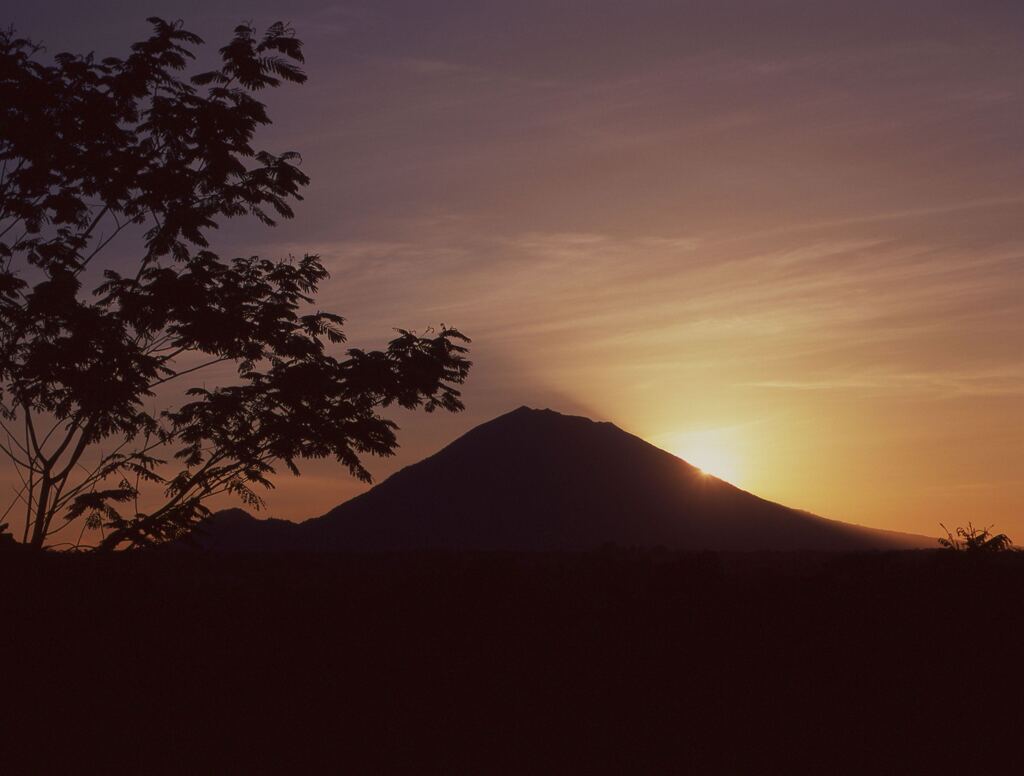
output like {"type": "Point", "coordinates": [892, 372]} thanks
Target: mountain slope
{"type": "Point", "coordinates": [539, 480]}
{"type": "Point", "coordinates": [235, 530]}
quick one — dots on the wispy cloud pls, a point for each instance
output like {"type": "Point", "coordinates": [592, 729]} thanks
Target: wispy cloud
{"type": "Point", "coordinates": [861, 313]}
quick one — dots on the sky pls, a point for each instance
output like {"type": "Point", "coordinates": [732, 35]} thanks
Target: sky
{"type": "Point", "coordinates": [783, 240]}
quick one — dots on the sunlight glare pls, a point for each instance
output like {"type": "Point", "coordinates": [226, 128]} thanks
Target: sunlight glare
{"type": "Point", "coordinates": [708, 451]}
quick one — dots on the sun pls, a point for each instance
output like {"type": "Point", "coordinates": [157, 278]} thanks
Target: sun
{"type": "Point", "coordinates": [714, 463]}
{"type": "Point", "coordinates": [709, 451]}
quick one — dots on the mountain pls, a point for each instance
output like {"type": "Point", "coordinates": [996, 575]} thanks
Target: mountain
{"type": "Point", "coordinates": [235, 530]}
{"type": "Point", "coordinates": [540, 480]}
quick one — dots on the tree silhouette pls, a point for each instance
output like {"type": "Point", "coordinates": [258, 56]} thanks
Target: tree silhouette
{"type": "Point", "coordinates": [975, 541]}
{"type": "Point", "coordinates": [93, 150]}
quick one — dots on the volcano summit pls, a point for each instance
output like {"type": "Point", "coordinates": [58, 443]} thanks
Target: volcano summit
{"type": "Point", "coordinates": [539, 480]}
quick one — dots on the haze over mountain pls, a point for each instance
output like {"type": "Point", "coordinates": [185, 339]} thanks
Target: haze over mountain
{"type": "Point", "coordinates": [540, 480]}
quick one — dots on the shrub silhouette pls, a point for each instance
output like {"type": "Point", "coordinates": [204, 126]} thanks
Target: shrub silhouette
{"type": "Point", "coordinates": [92, 150]}
{"type": "Point", "coordinates": [7, 540]}
{"type": "Point", "coordinates": [975, 540]}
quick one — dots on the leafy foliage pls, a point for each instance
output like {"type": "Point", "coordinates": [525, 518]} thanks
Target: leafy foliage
{"type": "Point", "coordinates": [93, 149]}
{"type": "Point", "coordinates": [975, 540]}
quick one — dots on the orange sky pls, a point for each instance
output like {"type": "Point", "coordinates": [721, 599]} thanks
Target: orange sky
{"type": "Point", "coordinates": [784, 240]}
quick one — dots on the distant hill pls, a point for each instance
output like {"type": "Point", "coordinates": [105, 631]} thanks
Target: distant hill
{"type": "Point", "coordinates": [235, 530]}
{"type": "Point", "coordinates": [540, 480]}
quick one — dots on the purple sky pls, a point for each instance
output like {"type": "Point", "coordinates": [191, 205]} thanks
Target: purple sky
{"type": "Point", "coordinates": [781, 239]}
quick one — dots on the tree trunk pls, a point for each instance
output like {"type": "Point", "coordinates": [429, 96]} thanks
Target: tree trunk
{"type": "Point", "coordinates": [41, 520]}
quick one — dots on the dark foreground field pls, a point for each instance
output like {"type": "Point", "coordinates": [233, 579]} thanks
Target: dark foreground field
{"type": "Point", "coordinates": [624, 661]}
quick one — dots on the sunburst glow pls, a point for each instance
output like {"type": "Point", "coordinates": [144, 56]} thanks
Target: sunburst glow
{"type": "Point", "coordinates": [709, 451]}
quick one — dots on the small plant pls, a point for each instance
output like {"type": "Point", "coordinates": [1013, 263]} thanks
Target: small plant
{"type": "Point", "coordinates": [7, 540]}
{"type": "Point", "coordinates": [975, 540]}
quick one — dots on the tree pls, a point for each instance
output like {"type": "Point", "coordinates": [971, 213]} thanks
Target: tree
{"type": "Point", "coordinates": [93, 150]}
{"type": "Point", "coordinates": [975, 541]}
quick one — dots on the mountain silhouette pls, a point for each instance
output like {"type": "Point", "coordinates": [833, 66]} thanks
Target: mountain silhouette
{"type": "Point", "coordinates": [539, 480]}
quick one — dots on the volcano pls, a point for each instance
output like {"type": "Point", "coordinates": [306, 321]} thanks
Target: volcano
{"type": "Point", "coordinates": [537, 480]}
